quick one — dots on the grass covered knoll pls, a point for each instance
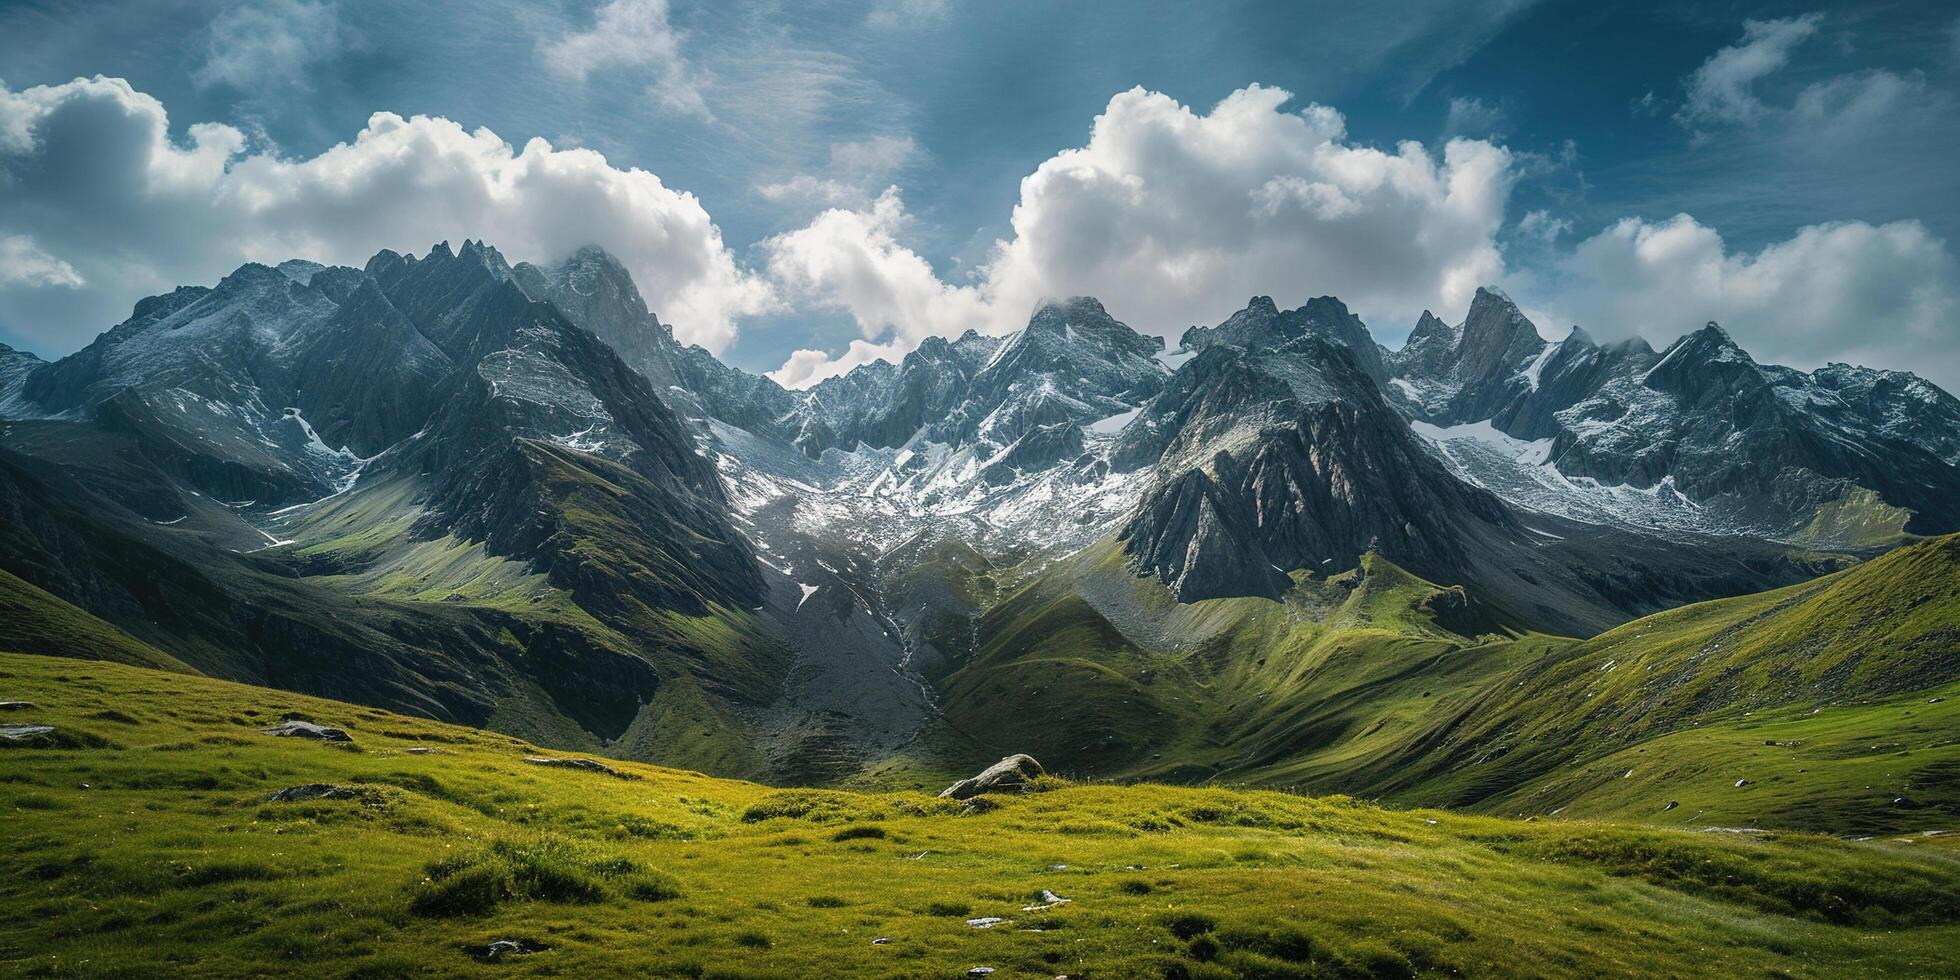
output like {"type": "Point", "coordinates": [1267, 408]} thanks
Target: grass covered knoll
{"type": "Point", "coordinates": [172, 861]}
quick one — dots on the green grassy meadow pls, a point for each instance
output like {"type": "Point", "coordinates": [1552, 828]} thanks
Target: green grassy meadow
{"type": "Point", "coordinates": [142, 843]}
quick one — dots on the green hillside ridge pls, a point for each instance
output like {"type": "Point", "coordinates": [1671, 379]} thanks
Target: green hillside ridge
{"type": "Point", "coordinates": [1379, 684]}
{"type": "Point", "coordinates": [143, 843]}
{"type": "Point", "coordinates": [1854, 666]}
{"type": "Point", "coordinates": [34, 621]}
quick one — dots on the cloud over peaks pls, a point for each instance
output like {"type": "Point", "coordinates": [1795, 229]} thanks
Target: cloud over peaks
{"type": "Point", "coordinates": [1176, 217]}
{"type": "Point", "coordinates": [97, 183]}
{"type": "Point", "coordinates": [1885, 295]}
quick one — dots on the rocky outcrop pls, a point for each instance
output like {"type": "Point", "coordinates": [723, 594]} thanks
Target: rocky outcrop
{"type": "Point", "coordinates": [313, 791]}
{"type": "Point", "coordinates": [27, 735]}
{"type": "Point", "coordinates": [296, 728]}
{"type": "Point", "coordinates": [584, 765]}
{"type": "Point", "coordinates": [1014, 774]}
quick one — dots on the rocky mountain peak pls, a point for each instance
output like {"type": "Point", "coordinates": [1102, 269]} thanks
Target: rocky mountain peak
{"type": "Point", "coordinates": [594, 289]}
{"type": "Point", "coordinates": [1263, 326]}
{"type": "Point", "coordinates": [1086, 307]}
{"type": "Point", "coordinates": [1070, 334]}
{"type": "Point", "coordinates": [1701, 362]}
{"type": "Point", "coordinates": [1429, 328]}
{"type": "Point", "coordinates": [492, 260]}
{"type": "Point", "coordinates": [1495, 333]}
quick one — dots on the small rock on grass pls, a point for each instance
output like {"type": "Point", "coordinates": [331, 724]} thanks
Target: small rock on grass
{"type": "Point", "coordinates": [26, 734]}
{"type": "Point", "coordinates": [313, 791]}
{"type": "Point", "coordinates": [985, 922]}
{"type": "Point", "coordinates": [295, 728]}
{"type": "Point", "coordinates": [589, 765]}
{"type": "Point", "coordinates": [16, 705]}
{"type": "Point", "coordinates": [882, 941]}
{"type": "Point", "coordinates": [980, 971]}
{"type": "Point", "coordinates": [497, 949]}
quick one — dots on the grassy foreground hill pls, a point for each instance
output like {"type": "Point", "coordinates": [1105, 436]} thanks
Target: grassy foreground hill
{"type": "Point", "coordinates": [142, 841]}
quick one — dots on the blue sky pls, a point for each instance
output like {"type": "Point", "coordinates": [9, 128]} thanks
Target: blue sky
{"type": "Point", "coordinates": [843, 179]}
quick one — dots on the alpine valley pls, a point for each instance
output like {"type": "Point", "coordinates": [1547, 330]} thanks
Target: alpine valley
{"type": "Point", "coordinates": [1503, 577]}
{"type": "Point", "coordinates": [504, 496]}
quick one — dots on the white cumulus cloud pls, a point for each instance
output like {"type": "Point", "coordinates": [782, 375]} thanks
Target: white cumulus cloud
{"type": "Point", "coordinates": [853, 261]}
{"type": "Point", "coordinates": [1882, 295]}
{"type": "Point", "coordinates": [97, 180]}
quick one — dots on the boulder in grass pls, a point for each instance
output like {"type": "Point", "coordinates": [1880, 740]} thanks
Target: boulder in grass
{"type": "Point", "coordinates": [589, 765]}
{"type": "Point", "coordinates": [1014, 774]}
{"type": "Point", "coordinates": [313, 791]}
{"type": "Point", "coordinates": [28, 705]}
{"type": "Point", "coordinates": [27, 735]}
{"type": "Point", "coordinates": [295, 728]}
{"type": "Point", "coordinates": [498, 949]}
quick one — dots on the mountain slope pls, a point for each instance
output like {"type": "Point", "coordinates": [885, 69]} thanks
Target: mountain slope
{"type": "Point", "coordinates": [1375, 682]}
{"type": "Point", "coordinates": [1697, 437]}
{"type": "Point", "coordinates": [506, 496]}
{"type": "Point", "coordinates": [33, 620]}
{"type": "Point", "coordinates": [1881, 633]}
{"type": "Point", "coordinates": [1262, 463]}
{"type": "Point", "coordinates": [507, 528]}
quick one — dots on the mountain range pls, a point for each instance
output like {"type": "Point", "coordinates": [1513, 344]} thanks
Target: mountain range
{"type": "Point", "coordinates": [507, 496]}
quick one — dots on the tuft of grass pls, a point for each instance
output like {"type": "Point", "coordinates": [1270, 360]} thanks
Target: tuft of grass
{"type": "Point", "coordinates": [473, 890]}
{"type": "Point", "coordinates": [859, 833]}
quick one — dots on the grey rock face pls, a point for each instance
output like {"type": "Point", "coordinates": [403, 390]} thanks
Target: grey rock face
{"type": "Point", "coordinates": [1010, 775]}
{"type": "Point", "coordinates": [1073, 364]}
{"type": "Point", "coordinates": [1290, 459]}
{"type": "Point", "coordinates": [536, 410]}
{"type": "Point", "coordinates": [596, 293]}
